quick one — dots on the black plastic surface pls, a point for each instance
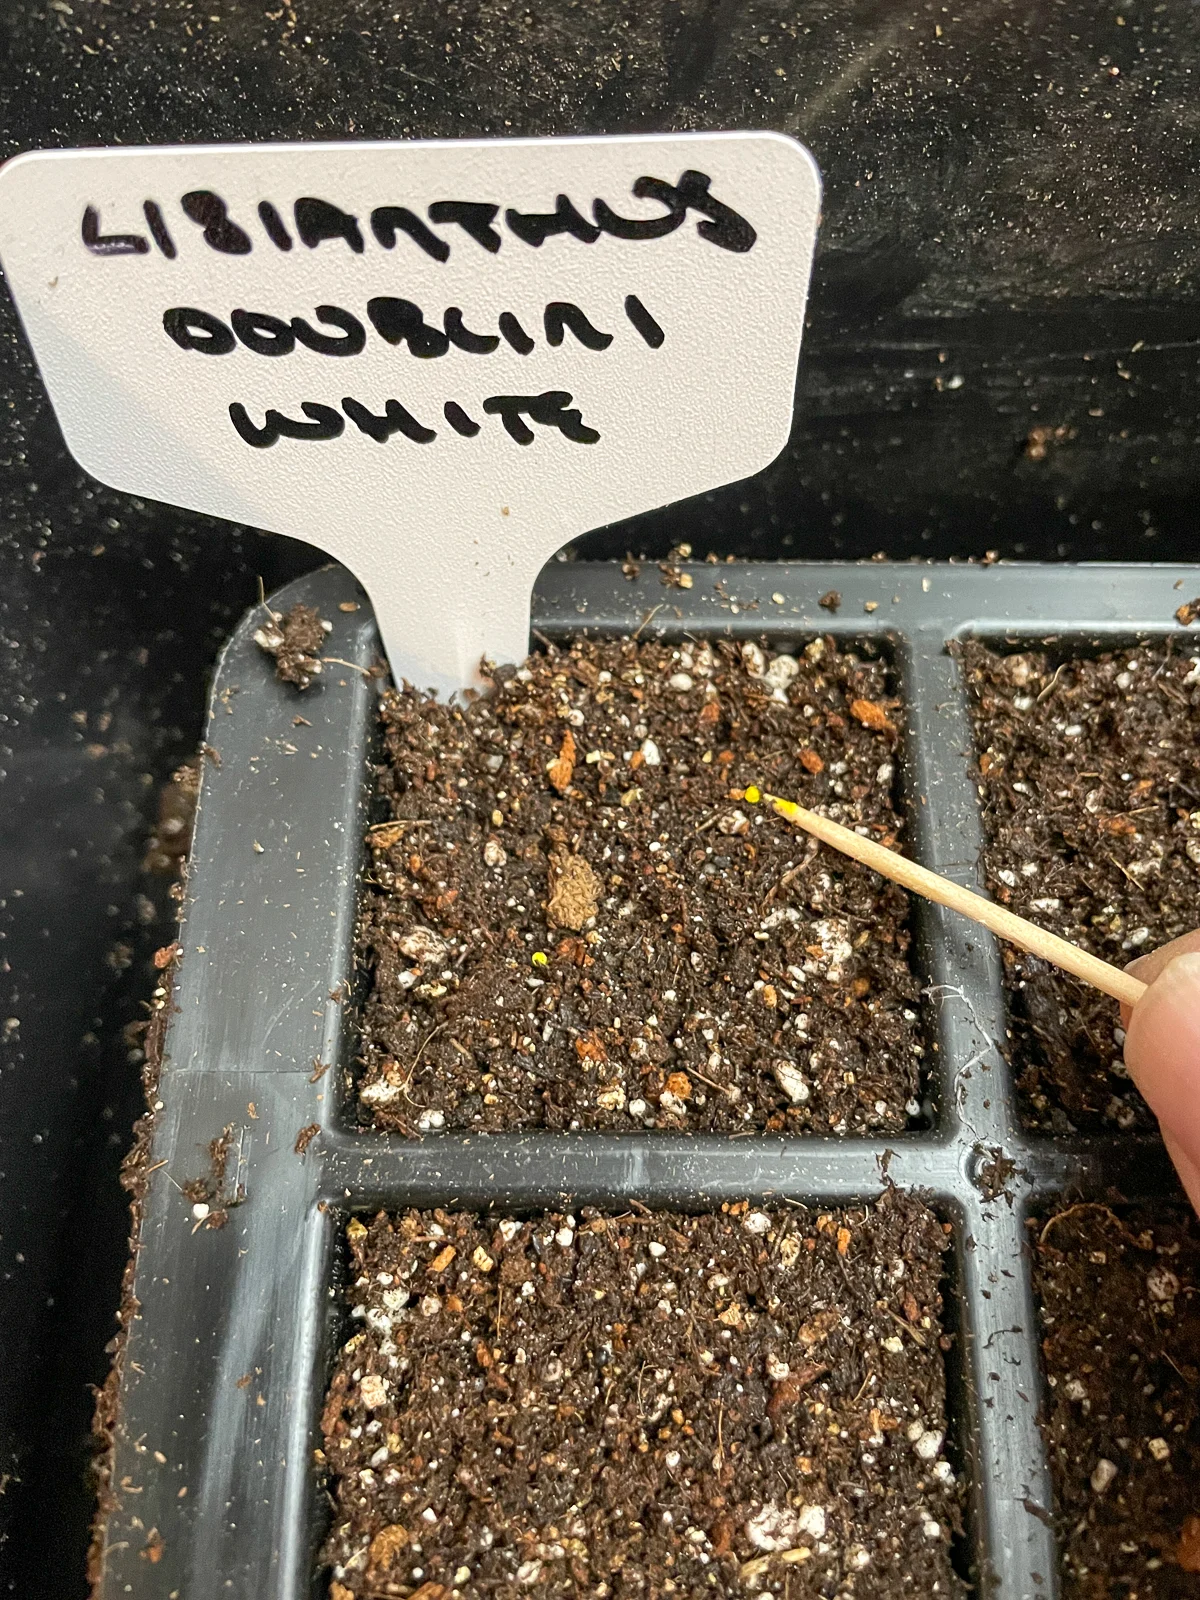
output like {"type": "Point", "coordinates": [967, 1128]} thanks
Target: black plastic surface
{"type": "Point", "coordinates": [268, 953]}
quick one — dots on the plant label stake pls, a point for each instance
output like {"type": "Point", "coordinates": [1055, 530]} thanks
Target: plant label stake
{"type": "Point", "coordinates": [439, 362]}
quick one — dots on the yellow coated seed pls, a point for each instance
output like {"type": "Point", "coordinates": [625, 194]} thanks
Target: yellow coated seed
{"type": "Point", "coordinates": [753, 795]}
{"type": "Point", "coordinates": [540, 958]}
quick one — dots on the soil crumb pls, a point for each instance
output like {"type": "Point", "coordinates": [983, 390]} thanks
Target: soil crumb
{"type": "Point", "coordinates": [296, 641]}
{"type": "Point", "coordinates": [746, 1403]}
{"type": "Point", "coordinates": [1122, 1349]}
{"type": "Point", "coordinates": [577, 919]}
{"type": "Point", "coordinates": [1091, 804]}
{"type": "Point", "coordinates": [168, 846]}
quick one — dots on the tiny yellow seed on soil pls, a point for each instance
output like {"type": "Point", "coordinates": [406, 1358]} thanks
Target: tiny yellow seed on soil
{"type": "Point", "coordinates": [753, 794]}
{"type": "Point", "coordinates": [540, 958]}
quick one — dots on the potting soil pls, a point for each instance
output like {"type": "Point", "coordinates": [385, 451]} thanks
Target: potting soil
{"type": "Point", "coordinates": [577, 920]}
{"type": "Point", "coordinates": [745, 1403]}
{"type": "Point", "coordinates": [1121, 1336]}
{"type": "Point", "coordinates": [1090, 788]}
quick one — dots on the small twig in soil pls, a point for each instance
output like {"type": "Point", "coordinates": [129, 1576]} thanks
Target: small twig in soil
{"type": "Point", "coordinates": [1058, 672]}
{"type": "Point", "coordinates": [336, 661]}
{"type": "Point", "coordinates": [790, 876]}
{"type": "Point", "coordinates": [912, 1332]}
{"type": "Point", "coordinates": [1120, 868]}
{"type": "Point", "coordinates": [441, 1027]}
{"type": "Point", "coordinates": [649, 617]}
{"type": "Point", "coordinates": [721, 1088]}
{"type": "Point", "coordinates": [275, 616]}
{"type": "Point", "coordinates": [1082, 1205]}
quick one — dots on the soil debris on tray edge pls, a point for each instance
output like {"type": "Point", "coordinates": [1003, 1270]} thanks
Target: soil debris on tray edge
{"type": "Point", "coordinates": [575, 918]}
{"type": "Point", "coordinates": [743, 1402]}
{"type": "Point", "coordinates": [1121, 1345]}
{"type": "Point", "coordinates": [1091, 807]}
{"type": "Point", "coordinates": [295, 639]}
{"type": "Point", "coordinates": [135, 1178]}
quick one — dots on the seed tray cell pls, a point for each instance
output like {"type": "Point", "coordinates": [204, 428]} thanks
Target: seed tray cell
{"type": "Point", "coordinates": [214, 1489]}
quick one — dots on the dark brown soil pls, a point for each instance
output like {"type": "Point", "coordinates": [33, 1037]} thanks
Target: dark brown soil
{"type": "Point", "coordinates": [742, 1404]}
{"type": "Point", "coordinates": [1122, 1346]}
{"type": "Point", "coordinates": [1090, 781]}
{"type": "Point", "coordinates": [296, 640]}
{"type": "Point", "coordinates": [579, 921]}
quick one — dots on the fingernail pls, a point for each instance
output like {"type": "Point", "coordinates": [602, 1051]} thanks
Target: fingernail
{"type": "Point", "coordinates": [1181, 974]}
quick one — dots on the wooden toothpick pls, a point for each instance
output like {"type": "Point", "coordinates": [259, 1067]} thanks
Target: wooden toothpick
{"type": "Point", "coordinates": [1059, 952]}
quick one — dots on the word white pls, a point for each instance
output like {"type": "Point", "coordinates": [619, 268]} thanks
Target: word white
{"type": "Point", "coordinates": [550, 410]}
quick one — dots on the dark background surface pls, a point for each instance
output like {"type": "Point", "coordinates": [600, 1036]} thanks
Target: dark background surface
{"type": "Point", "coordinates": [1010, 241]}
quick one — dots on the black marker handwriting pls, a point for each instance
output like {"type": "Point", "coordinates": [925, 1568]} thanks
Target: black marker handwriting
{"type": "Point", "coordinates": [401, 321]}
{"type": "Point", "coordinates": [349, 342]}
{"type": "Point", "coordinates": [476, 344]}
{"type": "Point", "coordinates": [220, 230]}
{"type": "Point", "coordinates": [535, 229]}
{"type": "Point", "coordinates": [562, 314]}
{"type": "Point", "coordinates": [398, 322]}
{"type": "Point", "coordinates": [395, 419]}
{"type": "Point", "coordinates": [326, 423]}
{"type": "Point", "coordinates": [386, 220]}
{"type": "Point", "coordinates": [318, 221]}
{"type": "Point", "coordinates": [152, 212]}
{"type": "Point", "coordinates": [724, 226]}
{"type": "Point", "coordinates": [474, 217]}
{"type": "Point", "coordinates": [643, 322]}
{"type": "Point", "coordinates": [552, 409]}
{"type": "Point", "coordinates": [109, 244]}
{"type": "Point", "coordinates": [273, 223]}
{"type": "Point", "coordinates": [264, 334]}
{"type": "Point", "coordinates": [514, 333]}
{"type": "Point", "coordinates": [459, 420]}
{"type": "Point", "coordinates": [193, 329]}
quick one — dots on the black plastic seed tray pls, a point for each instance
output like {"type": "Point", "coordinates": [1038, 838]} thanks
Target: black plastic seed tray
{"type": "Point", "coordinates": [223, 1377]}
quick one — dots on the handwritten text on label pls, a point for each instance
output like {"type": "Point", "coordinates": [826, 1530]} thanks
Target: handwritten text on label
{"type": "Point", "coordinates": [439, 362]}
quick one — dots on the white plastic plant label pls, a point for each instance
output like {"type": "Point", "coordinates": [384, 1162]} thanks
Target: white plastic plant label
{"type": "Point", "coordinates": [439, 362]}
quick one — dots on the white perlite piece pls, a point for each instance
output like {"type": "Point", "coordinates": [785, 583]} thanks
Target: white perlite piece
{"type": "Point", "coordinates": [373, 1391]}
{"type": "Point", "coordinates": [791, 1080]}
{"type": "Point", "coordinates": [423, 946]}
{"type": "Point", "coordinates": [1103, 1474]}
{"type": "Point", "coordinates": [928, 1444]}
{"type": "Point", "coordinates": [777, 1527]}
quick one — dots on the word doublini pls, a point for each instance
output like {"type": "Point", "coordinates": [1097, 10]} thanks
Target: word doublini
{"type": "Point", "coordinates": [341, 333]}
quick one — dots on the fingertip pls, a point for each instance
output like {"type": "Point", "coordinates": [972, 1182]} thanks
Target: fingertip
{"type": "Point", "coordinates": [1162, 1049]}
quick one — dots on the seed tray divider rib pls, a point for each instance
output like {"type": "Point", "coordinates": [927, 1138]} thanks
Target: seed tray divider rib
{"type": "Point", "coordinates": [224, 1375]}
